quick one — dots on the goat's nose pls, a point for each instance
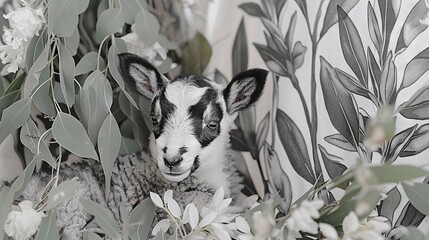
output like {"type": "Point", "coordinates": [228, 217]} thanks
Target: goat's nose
{"type": "Point", "coordinates": [172, 162]}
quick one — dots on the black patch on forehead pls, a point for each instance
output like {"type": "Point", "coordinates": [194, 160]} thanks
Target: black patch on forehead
{"type": "Point", "coordinates": [197, 81]}
{"type": "Point", "coordinates": [206, 135]}
{"type": "Point", "coordinates": [167, 109]}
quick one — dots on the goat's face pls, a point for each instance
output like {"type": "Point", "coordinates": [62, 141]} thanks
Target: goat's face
{"type": "Point", "coordinates": [190, 115]}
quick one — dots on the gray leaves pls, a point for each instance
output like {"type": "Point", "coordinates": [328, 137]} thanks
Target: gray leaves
{"type": "Point", "coordinates": [14, 117]}
{"type": "Point", "coordinates": [109, 22]}
{"type": "Point", "coordinates": [103, 218]}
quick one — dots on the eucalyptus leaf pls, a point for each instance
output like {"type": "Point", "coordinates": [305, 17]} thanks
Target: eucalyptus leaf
{"type": "Point", "coordinates": [331, 16]}
{"type": "Point", "coordinates": [130, 8]}
{"type": "Point", "coordinates": [32, 78]}
{"type": "Point", "coordinates": [294, 144]}
{"type": "Point", "coordinates": [102, 217]}
{"type": "Point", "coordinates": [14, 117]}
{"type": "Point", "coordinates": [61, 193]}
{"type": "Point", "coordinates": [109, 22]}
{"type": "Point", "coordinates": [239, 50]}
{"type": "Point", "coordinates": [87, 63]}
{"type": "Point", "coordinates": [71, 135]}
{"type": "Point", "coordinates": [147, 27]}
{"type": "Point", "coordinates": [67, 70]}
{"type": "Point", "coordinates": [109, 142]}
{"type": "Point", "coordinates": [72, 42]}
{"type": "Point", "coordinates": [413, 233]}
{"type": "Point", "coordinates": [141, 219]}
{"type": "Point", "coordinates": [7, 100]}
{"type": "Point", "coordinates": [83, 108]}
{"type": "Point", "coordinates": [48, 229]}
{"type": "Point", "coordinates": [62, 17]}
{"type": "Point", "coordinates": [396, 173]}
{"type": "Point", "coordinates": [43, 98]}
{"type": "Point", "coordinates": [82, 5]}
{"type": "Point", "coordinates": [418, 193]}
{"type": "Point", "coordinates": [15, 84]}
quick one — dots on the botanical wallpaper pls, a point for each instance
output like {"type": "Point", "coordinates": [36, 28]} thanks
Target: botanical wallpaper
{"type": "Point", "coordinates": [340, 66]}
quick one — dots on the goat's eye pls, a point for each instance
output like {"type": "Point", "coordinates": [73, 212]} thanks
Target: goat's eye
{"type": "Point", "coordinates": [154, 119]}
{"type": "Point", "coordinates": [212, 125]}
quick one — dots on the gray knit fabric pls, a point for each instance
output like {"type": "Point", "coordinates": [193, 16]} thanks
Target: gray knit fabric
{"type": "Point", "coordinates": [134, 176]}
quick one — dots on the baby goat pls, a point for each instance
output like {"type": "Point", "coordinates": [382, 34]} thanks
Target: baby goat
{"type": "Point", "coordinates": [189, 145]}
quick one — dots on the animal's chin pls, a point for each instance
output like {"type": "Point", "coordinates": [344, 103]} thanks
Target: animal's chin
{"type": "Point", "coordinates": [176, 177]}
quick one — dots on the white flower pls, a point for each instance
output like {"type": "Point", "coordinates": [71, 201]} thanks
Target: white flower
{"type": "Point", "coordinates": [21, 225]}
{"type": "Point", "coordinates": [264, 224]}
{"type": "Point", "coordinates": [328, 231]}
{"type": "Point", "coordinates": [155, 54]}
{"type": "Point", "coordinates": [25, 22]}
{"type": "Point", "coordinates": [370, 228]}
{"type": "Point", "coordinates": [302, 218]}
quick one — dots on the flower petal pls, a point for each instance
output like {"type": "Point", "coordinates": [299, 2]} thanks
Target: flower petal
{"type": "Point", "coordinates": [156, 199]}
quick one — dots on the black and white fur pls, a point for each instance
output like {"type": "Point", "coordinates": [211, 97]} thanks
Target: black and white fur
{"type": "Point", "coordinates": [189, 147]}
{"type": "Point", "coordinates": [191, 118]}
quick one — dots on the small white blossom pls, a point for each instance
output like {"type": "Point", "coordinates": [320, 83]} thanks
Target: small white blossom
{"type": "Point", "coordinates": [264, 225]}
{"type": "Point", "coordinates": [302, 218]}
{"type": "Point", "coordinates": [155, 54]}
{"type": "Point", "coordinates": [328, 231]}
{"type": "Point", "coordinates": [25, 22]}
{"type": "Point", "coordinates": [23, 224]}
{"type": "Point", "coordinates": [370, 228]}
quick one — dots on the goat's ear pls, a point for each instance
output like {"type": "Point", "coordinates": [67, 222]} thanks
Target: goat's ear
{"type": "Point", "coordinates": [244, 89]}
{"type": "Point", "coordinates": [140, 75]}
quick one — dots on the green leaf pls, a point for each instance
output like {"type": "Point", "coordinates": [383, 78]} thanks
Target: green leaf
{"type": "Point", "coordinates": [113, 68]}
{"type": "Point", "coordinates": [34, 49]}
{"type": "Point", "coordinates": [15, 85]}
{"type": "Point", "coordinates": [374, 28]}
{"type": "Point", "coordinates": [375, 73]}
{"type": "Point", "coordinates": [303, 6]}
{"type": "Point", "coordinates": [339, 103]}
{"type": "Point", "coordinates": [147, 27]}
{"type": "Point", "coordinates": [71, 135]}
{"type": "Point", "coordinates": [418, 193]}
{"type": "Point", "coordinates": [14, 117]}
{"type": "Point", "coordinates": [66, 74]}
{"type": "Point", "coordinates": [102, 217]}
{"type": "Point", "coordinates": [72, 42]}
{"type": "Point", "coordinates": [388, 81]}
{"type": "Point", "coordinates": [141, 219]}
{"type": "Point", "coordinates": [294, 144]}
{"type": "Point", "coordinates": [290, 31]}
{"type": "Point", "coordinates": [109, 142]}
{"type": "Point", "coordinates": [7, 100]}
{"type": "Point", "coordinates": [239, 50]}
{"type": "Point", "coordinates": [413, 233]}
{"type": "Point", "coordinates": [298, 55]}
{"type": "Point", "coordinates": [32, 78]}
{"type": "Point", "coordinates": [43, 99]}
{"type": "Point", "coordinates": [412, 26]}
{"type": "Point", "coordinates": [99, 91]}
{"type": "Point", "coordinates": [351, 83]}
{"type": "Point", "coordinates": [389, 204]}
{"type": "Point", "coordinates": [252, 9]}
{"type": "Point", "coordinates": [416, 68]}
{"type": "Point", "coordinates": [331, 16]}
{"type": "Point", "coordinates": [389, 10]}
{"type": "Point", "coordinates": [48, 229]}
{"type": "Point", "coordinates": [30, 136]}
{"type": "Point", "coordinates": [397, 173]}
{"type": "Point", "coordinates": [62, 17]}
{"type": "Point", "coordinates": [130, 8]}
{"type": "Point", "coordinates": [398, 143]}
{"type": "Point", "coordinates": [82, 5]}
{"type": "Point", "coordinates": [352, 47]}
{"type": "Point", "coordinates": [196, 55]}
{"type": "Point", "coordinates": [108, 23]}
{"type": "Point", "coordinates": [61, 193]}
{"type": "Point", "coordinates": [86, 64]}
{"type": "Point", "coordinates": [333, 164]}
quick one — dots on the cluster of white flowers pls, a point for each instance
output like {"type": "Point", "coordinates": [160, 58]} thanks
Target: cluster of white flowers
{"type": "Point", "coordinates": [23, 223]}
{"type": "Point", "coordinates": [24, 22]}
{"type": "Point", "coordinates": [155, 54]}
{"type": "Point", "coordinates": [214, 221]}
